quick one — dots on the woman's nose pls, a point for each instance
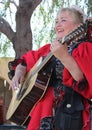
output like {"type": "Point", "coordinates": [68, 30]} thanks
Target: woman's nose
{"type": "Point", "coordinates": [58, 24]}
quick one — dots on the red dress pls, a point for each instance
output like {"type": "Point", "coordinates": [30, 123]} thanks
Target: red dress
{"type": "Point", "coordinates": [83, 56]}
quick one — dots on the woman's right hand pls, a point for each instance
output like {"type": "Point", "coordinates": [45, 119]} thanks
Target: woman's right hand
{"type": "Point", "coordinates": [18, 77]}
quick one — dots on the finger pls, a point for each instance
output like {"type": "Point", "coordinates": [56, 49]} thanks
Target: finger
{"type": "Point", "coordinates": [14, 85]}
{"type": "Point", "coordinates": [21, 80]}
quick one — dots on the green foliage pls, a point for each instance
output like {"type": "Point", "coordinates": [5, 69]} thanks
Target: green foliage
{"type": "Point", "coordinates": [4, 7]}
{"type": "Point", "coordinates": [5, 45]}
{"type": "Point", "coordinates": [7, 4]}
{"type": "Point", "coordinates": [6, 49]}
{"type": "Point", "coordinates": [89, 7]}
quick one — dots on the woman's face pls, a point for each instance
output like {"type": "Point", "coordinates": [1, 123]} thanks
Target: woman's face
{"type": "Point", "coordinates": [64, 24]}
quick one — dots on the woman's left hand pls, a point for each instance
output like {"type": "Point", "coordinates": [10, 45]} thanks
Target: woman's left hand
{"type": "Point", "coordinates": [60, 51]}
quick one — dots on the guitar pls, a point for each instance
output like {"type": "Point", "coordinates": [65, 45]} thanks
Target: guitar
{"type": "Point", "coordinates": [36, 82]}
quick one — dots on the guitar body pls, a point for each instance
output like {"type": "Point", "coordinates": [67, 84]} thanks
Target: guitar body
{"type": "Point", "coordinates": [24, 101]}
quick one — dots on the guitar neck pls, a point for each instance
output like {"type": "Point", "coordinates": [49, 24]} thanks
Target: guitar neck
{"type": "Point", "coordinates": [47, 58]}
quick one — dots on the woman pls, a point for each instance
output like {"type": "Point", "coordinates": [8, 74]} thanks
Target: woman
{"type": "Point", "coordinates": [65, 104]}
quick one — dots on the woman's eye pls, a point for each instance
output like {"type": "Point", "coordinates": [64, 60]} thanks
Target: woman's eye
{"type": "Point", "coordinates": [60, 21]}
{"type": "Point", "coordinates": [63, 20]}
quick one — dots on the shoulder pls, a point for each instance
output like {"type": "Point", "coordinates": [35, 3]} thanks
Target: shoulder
{"type": "Point", "coordinates": [84, 48]}
{"type": "Point", "coordinates": [47, 47]}
{"type": "Point", "coordinates": [85, 43]}
{"type": "Point", "coordinates": [44, 50]}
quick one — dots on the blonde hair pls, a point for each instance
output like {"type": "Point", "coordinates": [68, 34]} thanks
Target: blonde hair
{"type": "Point", "coordinates": [76, 12]}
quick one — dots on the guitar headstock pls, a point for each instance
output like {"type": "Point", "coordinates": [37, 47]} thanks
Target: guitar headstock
{"type": "Point", "coordinates": [83, 31]}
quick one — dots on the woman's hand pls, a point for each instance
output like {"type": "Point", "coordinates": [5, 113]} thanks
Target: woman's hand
{"type": "Point", "coordinates": [60, 51]}
{"type": "Point", "coordinates": [18, 77]}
